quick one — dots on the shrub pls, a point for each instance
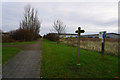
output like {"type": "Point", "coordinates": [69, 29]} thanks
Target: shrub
{"type": "Point", "coordinates": [21, 35]}
{"type": "Point", "coordinates": [7, 39]}
{"type": "Point", "coordinates": [38, 36]}
{"type": "Point", "coordinates": [51, 37]}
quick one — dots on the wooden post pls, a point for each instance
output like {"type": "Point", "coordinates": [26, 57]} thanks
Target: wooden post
{"type": "Point", "coordinates": [78, 49]}
{"type": "Point", "coordinates": [103, 46]}
{"type": "Point", "coordinates": [102, 35]}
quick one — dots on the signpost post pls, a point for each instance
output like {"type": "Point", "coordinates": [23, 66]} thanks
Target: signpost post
{"type": "Point", "coordinates": [102, 35]}
{"type": "Point", "coordinates": [78, 50]}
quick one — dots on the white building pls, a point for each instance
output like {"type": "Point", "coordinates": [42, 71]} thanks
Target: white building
{"type": "Point", "coordinates": [66, 35]}
{"type": "Point", "coordinates": [108, 35]}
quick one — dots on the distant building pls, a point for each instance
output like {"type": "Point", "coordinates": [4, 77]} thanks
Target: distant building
{"type": "Point", "coordinates": [113, 35]}
{"type": "Point", "coordinates": [108, 35]}
{"type": "Point", "coordinates": [91, 36]}
{"type": "Point", "coordinates": [66, 35]}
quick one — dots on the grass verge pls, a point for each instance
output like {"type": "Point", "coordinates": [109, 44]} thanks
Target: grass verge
{"type": "Point", "coordinates": [59, 61]}
{"type": "Point", "coordinates": [14, 43]}
{"type": "Point", "coordinates": [8, 53]}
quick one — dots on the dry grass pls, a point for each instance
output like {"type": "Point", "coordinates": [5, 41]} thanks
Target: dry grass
{"type": "Point", "coordinates": [111, 45]}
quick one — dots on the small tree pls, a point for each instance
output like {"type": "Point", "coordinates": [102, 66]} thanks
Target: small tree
{"type": "Point", "coordinates": [59, 27]}
{"type": "Point", "coordinates": [51, 37]}
{"type": "Point", "coordinates": [0, 35]}
{"type": "Point", "coordinates": [0, 31]}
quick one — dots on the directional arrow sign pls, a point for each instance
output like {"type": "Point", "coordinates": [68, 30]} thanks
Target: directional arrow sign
{"type": "Point", "coordinates": [81, 31]}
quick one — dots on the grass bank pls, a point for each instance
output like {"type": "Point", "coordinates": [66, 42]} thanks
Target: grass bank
{"type": "Point", "coordinates": [59, 61]}
{"type": "Point", "coordinates": [8, 53]}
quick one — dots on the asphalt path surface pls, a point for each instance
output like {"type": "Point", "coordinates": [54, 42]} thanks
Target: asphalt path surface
{"type": "Point", "coordinates": [26, 64]}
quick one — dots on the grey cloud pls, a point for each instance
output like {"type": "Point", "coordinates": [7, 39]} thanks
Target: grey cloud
{"type": "Point", "coordinates": [95, 15]}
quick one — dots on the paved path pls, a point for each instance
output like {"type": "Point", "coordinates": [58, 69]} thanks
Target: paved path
{"type": "Point", "coordinates": [25, 64]}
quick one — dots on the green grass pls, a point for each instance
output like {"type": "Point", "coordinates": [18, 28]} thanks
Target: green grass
{"type": "Point", "coordinates": [8, 53]}
{"type": "Point", "coordinates": [0, 55]}
{"type": "Point", "coordinates": [59, 61]}
{"type": "Point", "coordinates": [14, 43]}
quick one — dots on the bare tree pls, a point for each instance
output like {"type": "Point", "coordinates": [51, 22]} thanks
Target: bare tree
{"type": "Point", "coordinates": [31, 22]}
{"type": "Point", "coordinates": [0, 36]}
{"type": "Point", "coordinates": [0, 31]}
{"type": "Point", "coordinates": [59, 27]}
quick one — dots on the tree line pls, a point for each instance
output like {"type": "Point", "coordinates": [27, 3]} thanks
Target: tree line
{"type": "Point", "coordinates": [30, 27]}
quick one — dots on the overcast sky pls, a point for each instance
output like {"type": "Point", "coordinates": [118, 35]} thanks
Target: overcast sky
{"type": "Point", "coordinates": [93, 17]}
